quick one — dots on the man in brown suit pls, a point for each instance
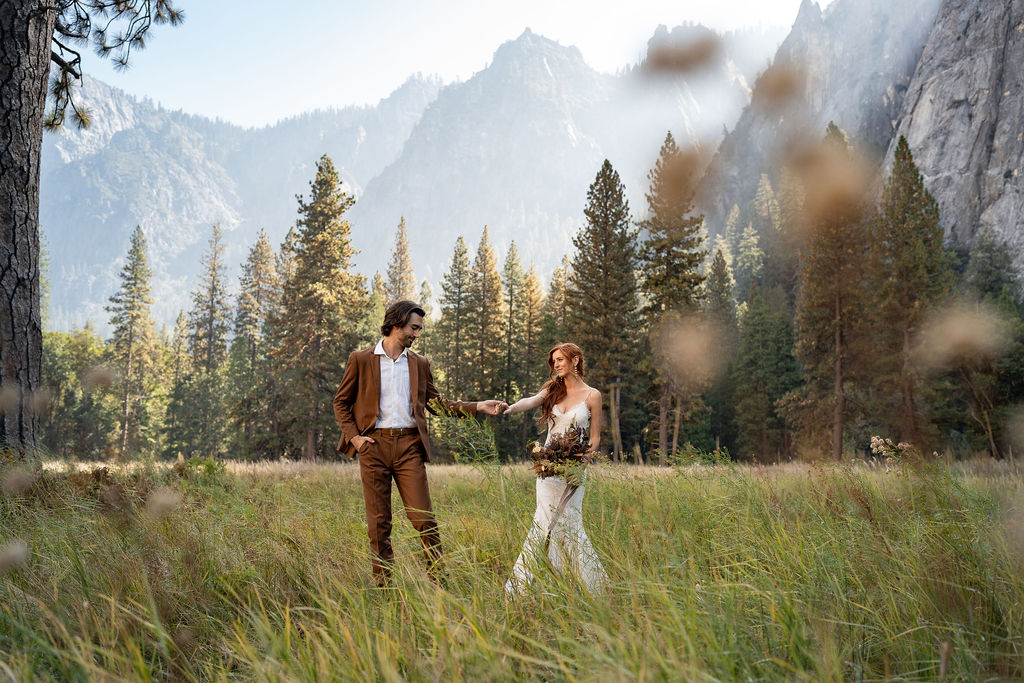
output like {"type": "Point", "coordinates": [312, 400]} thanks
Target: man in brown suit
{"type": "Point", "coordinates": [380, 407]}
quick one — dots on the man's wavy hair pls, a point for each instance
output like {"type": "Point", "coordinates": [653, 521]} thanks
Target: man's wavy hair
{"type": "Point", "coordinates": [398, 315]}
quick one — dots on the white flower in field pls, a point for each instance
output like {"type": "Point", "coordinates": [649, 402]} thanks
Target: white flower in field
{"type": "Point", "coordinates": [697, 587]}
{"type": "Point", "coordinates": [13, 554]}
{"type": "Point", "coordinates": [162, 501]}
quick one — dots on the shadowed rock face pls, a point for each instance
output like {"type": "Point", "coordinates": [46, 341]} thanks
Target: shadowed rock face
{"type": "Point", "coordinates": [854, 62]}
{"type": "Point", "coordinates": [963, 116]}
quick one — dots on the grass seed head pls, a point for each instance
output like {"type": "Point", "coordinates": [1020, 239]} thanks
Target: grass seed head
{"type": "Point", "coordinates": [18, 481]}
{"type": "Point", "coordinates": [778, 86]}
{"type": "Point", "coordinates": [683, 56]}
{"type": "Point", "coordinates": [98, 378]}
{"type": "Point", "coordinates": [162, 501]}
{"type": "Point", "coordinates": [9, 398]}
{"type": "Point", "coordinates": [961, 334]}
{"type": "Point", "coordinates": [13, 554]}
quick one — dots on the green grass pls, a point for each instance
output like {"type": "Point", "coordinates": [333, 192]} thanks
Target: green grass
{"type": "Point", "coordinates": [715, 573]}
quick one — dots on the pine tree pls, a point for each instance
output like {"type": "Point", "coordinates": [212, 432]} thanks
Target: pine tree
{"type": "Point", "coordinates": [720, 308]}
{"type": "Point", "coordinates": [179, 368]}
{"type": "Point", "coordinates": [513, 283]}
{"type": "Point", "coordinates": [912, 274]}
{"type": "Point", "coordinates": [133, 344]}
{"type": "Point", "coordinates": [733, 229]}
{"type": "Point", "coordinates": [554, 317]}
{"type": "Point", "coordinates": [764, 209]}
{"type": "Point", "coordinates": [485, 321]}
{"type": "Point", "coordinates": [452, 329]}
{"type": "Point", "coordinates": [323, 302]}
{"type": "Point", "coordinates": [208, 319]}
{"type": "Point", "coordinates": [990, 268]}
{"type": "Point", "coordinates": [831, 307]}
{"type": "Point", "coordinates": [671, 258]}
{"type": "Point", "coordinates": [749, 261]}
{"type": "Point", "coordinates": [602, 293]}
{"type": "Point", "coordinates": [249, 398]}
{"type": "Point", "coordinates": [401, 283]}
{"type": "Point", "coordinates": [203, 429]}
{"type": "Point", "coordinates": [764, 372]}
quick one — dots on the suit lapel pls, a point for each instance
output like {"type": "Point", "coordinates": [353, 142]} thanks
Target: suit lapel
{"type": "Point", "coordinates": [375, 373]}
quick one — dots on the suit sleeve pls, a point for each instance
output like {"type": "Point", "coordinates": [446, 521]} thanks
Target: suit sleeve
{"type": "Point", "coordinates": [460, 408]}
{"type": "Point", "coordinates": [344, 399]}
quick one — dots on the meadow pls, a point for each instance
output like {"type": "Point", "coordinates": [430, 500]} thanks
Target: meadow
{"type": "Point", "coordinates": [860, 571]}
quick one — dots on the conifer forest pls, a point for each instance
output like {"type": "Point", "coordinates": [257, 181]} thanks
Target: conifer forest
{"type": "Point", "coordinates": [829, 310]}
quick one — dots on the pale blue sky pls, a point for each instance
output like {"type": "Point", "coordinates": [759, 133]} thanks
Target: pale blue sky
{"type": "Point", "coordinates": [253, 62]}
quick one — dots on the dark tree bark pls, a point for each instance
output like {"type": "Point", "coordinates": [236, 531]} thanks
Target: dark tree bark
{"type": "Point", "coordinates": [26, 27]}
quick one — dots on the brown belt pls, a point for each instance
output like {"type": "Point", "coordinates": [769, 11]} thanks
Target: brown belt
{"type": "Point", "coordinates": [389, 431]}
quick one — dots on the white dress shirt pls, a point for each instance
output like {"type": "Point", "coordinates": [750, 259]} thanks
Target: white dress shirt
{"type": "Point", "coordinates": [395, 394]}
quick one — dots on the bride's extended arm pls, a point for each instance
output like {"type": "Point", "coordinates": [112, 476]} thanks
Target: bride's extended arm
{"type": "Point", "coordinates": [594, 403]}
{"type": "Point", "coordinates": [526, 403]}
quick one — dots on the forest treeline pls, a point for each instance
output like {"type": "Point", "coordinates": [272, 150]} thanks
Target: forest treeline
{"type": "Point", "coordinates": [816, 319]}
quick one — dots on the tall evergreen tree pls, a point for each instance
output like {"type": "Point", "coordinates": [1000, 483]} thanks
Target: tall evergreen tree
{"type": "Point", "coordinates": [749, 261]}
{"type": "Point", "coordinates": [720, 308]}
{"type": "Point", "coordinates": [764, 372]}
{"type": "Point", "coordinates": [208, 319]}
{"type": "Point", "coordinates": [831, 306]}
{"type": "Point", "coordinates": [208, 322]}
{"type": "Point", "coordinates": [602, 300]}
{"type": "Point", "coordinates": [249, 402]}
{"type": "Point", "coordinates": [453, 327]}
{"type": "Point", "coordinates": [401, 283]}
{"type": "Point", "coordinates": [133, 344]}
{"type": "Point", "coordinates": [513, 283]}
{"type": "Point", "coordinates": [485, 320]}
{"type": "Point", "coordinates": [671, 256]}
{"type": "Point", "coordinates": [554, 316]}
{"type": "Point", "coordinates": [179, 419]}
{"type": "Point", "coordinates": [990, 269]}
{"type": "Point", "coordinates": [323, 302]}
{"type": "Point", "coordinates": [733, 229]}
{"type": "Point", "coordinates": [911, 273]}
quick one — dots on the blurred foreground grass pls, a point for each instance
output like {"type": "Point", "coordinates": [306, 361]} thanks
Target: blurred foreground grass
{"type": "Point", "coordinates": [261, 572]}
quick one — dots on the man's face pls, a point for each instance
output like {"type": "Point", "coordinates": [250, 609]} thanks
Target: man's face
{"type": "Point", "coordinates": [411, 332]}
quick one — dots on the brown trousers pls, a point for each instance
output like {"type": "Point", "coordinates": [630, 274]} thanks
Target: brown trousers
{"type": "Point", "coordinates": [401, 458]}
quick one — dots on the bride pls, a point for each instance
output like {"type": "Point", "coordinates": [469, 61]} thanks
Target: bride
{"type": "Point", "coordinates": [565, 401]}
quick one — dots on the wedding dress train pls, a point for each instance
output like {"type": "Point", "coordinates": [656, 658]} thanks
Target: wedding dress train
{"type": "Point", "coordinates": [570, 549]}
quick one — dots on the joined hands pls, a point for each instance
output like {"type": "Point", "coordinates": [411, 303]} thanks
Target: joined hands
{"type": "Point", "coordinates": [492, 407]}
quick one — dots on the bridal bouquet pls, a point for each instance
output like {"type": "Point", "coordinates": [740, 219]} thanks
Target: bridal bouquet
{"type": "Point", "coordinates": [565, 456]}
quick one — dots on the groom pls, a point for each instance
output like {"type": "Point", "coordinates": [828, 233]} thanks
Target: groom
{"type": "Point", "coordinates": [380, 409]}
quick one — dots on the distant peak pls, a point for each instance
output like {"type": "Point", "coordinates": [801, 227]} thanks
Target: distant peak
{"type": "Point", "coordinates": [810, 12]}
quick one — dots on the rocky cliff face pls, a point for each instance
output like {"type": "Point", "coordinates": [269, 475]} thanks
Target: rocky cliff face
{"type": "Point", "coordinates": [853, 63]}
{"type": "Point", "coordinates": [516, 146]}
{"type": "Point", "coordinates": [963, 116]}
{"type": "Point", "coordinates": [176, 174]}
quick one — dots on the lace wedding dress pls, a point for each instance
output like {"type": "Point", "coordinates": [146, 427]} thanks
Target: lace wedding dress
{"type": "Point", "coordinates": [570, 548]}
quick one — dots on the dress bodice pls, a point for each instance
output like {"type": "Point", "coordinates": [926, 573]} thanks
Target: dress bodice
{"type": "Point", "coordinates": [578, 415]}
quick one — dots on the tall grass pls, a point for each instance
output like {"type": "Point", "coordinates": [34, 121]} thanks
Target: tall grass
{"type": "Point", "coordinates": [715, 573]}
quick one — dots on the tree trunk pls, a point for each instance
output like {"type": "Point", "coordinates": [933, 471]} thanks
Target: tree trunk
{"type": "Point", "coordinates": [125, 396]}
{"type": "Point", "coordinates": [677, 418]}
{"type": "Point", "coordinates": [613, 409]}
{"type": "Point", "coordinates": [909, 426]}
{"type": "Point", "coordinates": [837, 410]}
{"type": "Point", "coordinates": [663, 401]}
{"type": "Point", "coordinates": [26, 27]}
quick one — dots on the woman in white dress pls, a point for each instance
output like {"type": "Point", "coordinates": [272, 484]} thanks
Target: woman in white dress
{"type": "Point", "coordinates": [565, 401]}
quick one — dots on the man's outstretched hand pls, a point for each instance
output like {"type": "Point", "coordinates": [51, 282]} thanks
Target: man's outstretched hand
{"type": "Point", "coordinates": [492, 407]}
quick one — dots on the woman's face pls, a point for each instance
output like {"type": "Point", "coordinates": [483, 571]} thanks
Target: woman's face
{"type": "Point", "coordinates": [563, 366]}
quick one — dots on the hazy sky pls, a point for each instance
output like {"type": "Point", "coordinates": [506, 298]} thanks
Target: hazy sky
{"type": "Point", "coordinates": [253, 62]}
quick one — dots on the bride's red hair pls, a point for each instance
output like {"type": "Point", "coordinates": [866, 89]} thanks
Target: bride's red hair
{"type": "Point", "coordinates": [555, 385]}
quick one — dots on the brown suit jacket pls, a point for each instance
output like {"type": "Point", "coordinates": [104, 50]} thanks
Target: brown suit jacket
{"type": "Point", "coordinates": [357, 400]}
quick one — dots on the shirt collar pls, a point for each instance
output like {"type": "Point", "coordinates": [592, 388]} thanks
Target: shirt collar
{"type": "Point", "coordinates": [379, 350]}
